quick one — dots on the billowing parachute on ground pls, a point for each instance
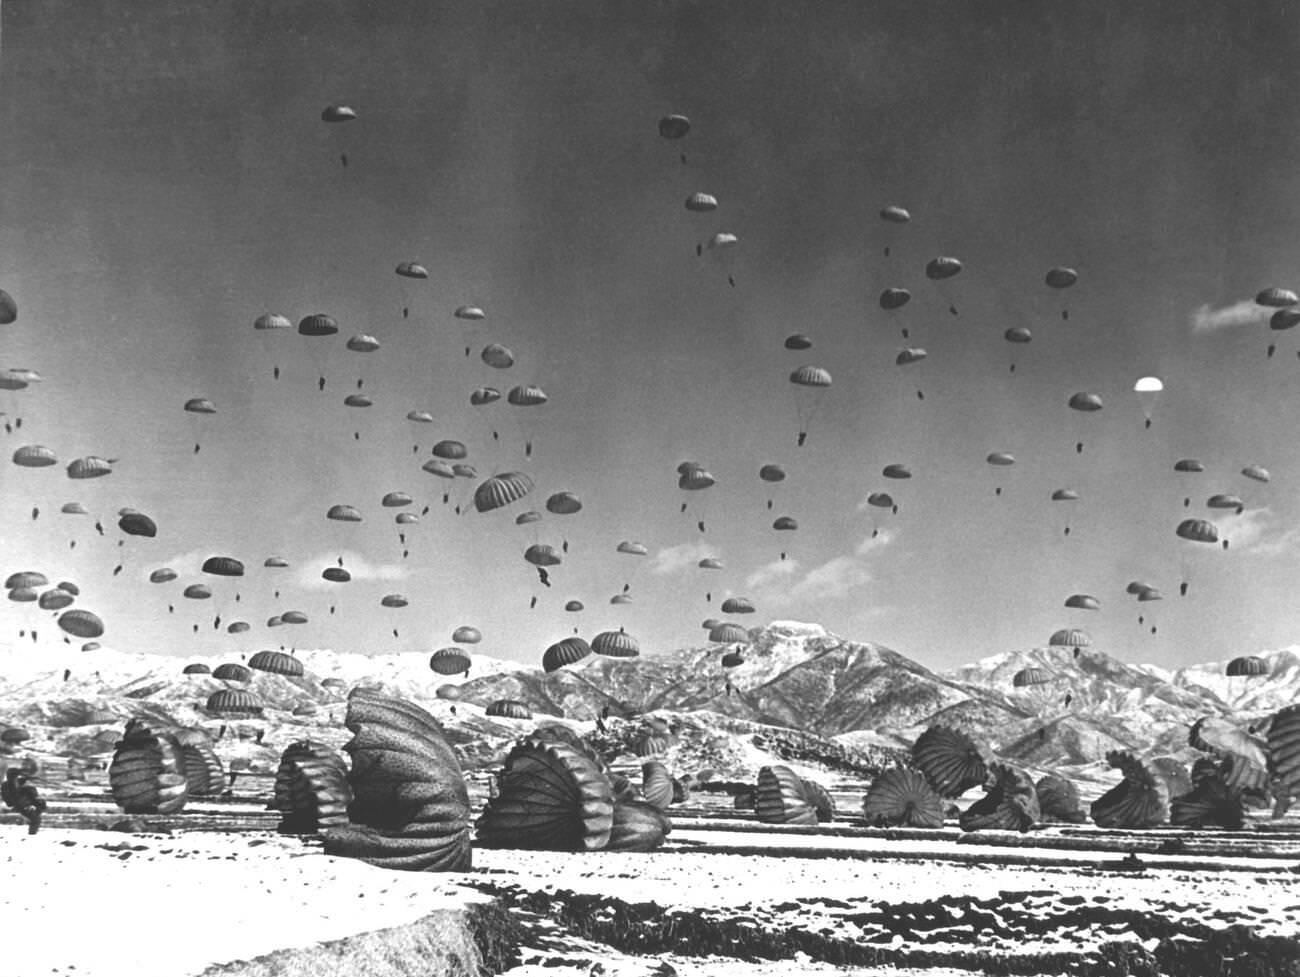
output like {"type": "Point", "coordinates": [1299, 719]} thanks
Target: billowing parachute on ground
{"type": "Point", "coordinates": [1011, 803]}
{"type": "Point", "coordinates": [1284, 757]}
{"type": "Point", "coordinates": [780, 797]}
{"type": "Point", "coordinates": [949, 760]}
{"type": "Point", "coordinates": [147, 774]}
{"type": "Point", "coordinates": [204, 773]}
{"type": "Point", "coordinates": [276, 662]}
{"type": "Point", "coordinates": [410, 807]}
{"type": "Point", "coordinates": [569, 651]}
{"type": "Point", "coordinates": [1058, 800]}
{"type": "Point", "coordinates": [656, 784]}
{"type": "Point", "coordinates": [508, 709]}
{"type": "Point", "coordinates": [552, 795]}
{"type": "Point", "coordinates": [312, 792]}
{"type": "Point", "coordinates": [1210, 803]}
{"type": "Point", "coordinates": [902, 798]}
{"type": "Point", "coordinates": [501, 490]}
{"type": "Point", "coordinates": [1140, 800]}
{"type": "Point", "coordinates": [450, 661]}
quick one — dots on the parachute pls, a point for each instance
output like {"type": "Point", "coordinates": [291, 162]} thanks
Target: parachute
{"type": "Point", "coordinates": [780, 799]}
{"type": "Point", "coordinates": [1140, 800]}
{"type": "Point", "coordinates": [552, 796]}
{"type": "Point", "coordinates": [1000, 459]}
{"type": "Point", "coordinates": [147, 774]}
{"type": "Point", "coordinates": [501, 490]}
{"type": "Point", "coordinates": [656, 784]}
{"type": "Point", "coordinates": [564, 504]}
{"type": "Point", "coordinates": [1284, 757]}
{"type": "Point", "coordinates": [1030, 677]}
{"type": "Point", "coordinates": [570, 651]}
{"type": "Point", "coordinates": [204, 773]}
{"type": "Point", "coordinates": [949, 760]}
{"type": "Point", "coordinates": [34, 456]}
{"type": "Point", "coordinates": [810, 384]}
{"type": "Point", "coordinates": [737, 605]}
{"type": "Point", "coordinates": [8, 308]}
{"type": "Point", "coordinates": [632, 548]}
{"type": "Point", "coordinates": [1256, 473]}
{"type": "Point", "coordinates": [450, 661]}
{"type": "Point", "coordinates": [1058, 800]}
{"type": "Point", "coordinates": [393, 600]}
{"type": "Point", "coordinates": [26, 579]}
{"type": "Point", "coordinates": [1083, 602]}
{"type": "Point", "coordinates": [797, 342]}
{"type": "Point", "coordinates": [410, 807]}
{"type": "Point", "coordinates": [466, 635]}
{"type": "Point", "coordinates": [1277, 298]}
{"type": "Point", "coordinates": [616, 644]}
{"type": "Point", "coordinates": [276, 662]}
{"type": "Point", "coordinates": [312, 792]}
{"type": "Point", "coordinates": [508, 709]}
{"type": "Point", "coordinates": [674, 126]}
{"type": "Point", "coordinates": [1198, 531]}
{"type": "Point", "coordinates": [223, 566]}
{"type": "Point", "coordinates": [81, 624]}
{"type": "Point", "coordinates": [1148, 390]}
{"type": "Point", "coordinates": [162, 575]}
{"type": "Point", "coordinates": [89, 467]}
{"type": "Point", "coordinates": [1011, 803]}
{"type": "Point", "coordinates": [232, 672]}
{"type": "Point", "coordinates": [701, 203]}
{"type": "Point", "coordinates": [727, 633]}
{"type": "Point", "coordinates": [902, 798]}
{"type": "Point", "coordinates": [940, 269]}
{"type": "Point", "coordinates": [1017, 336]}
{"type": "Point", "coordinates": [197, 591]}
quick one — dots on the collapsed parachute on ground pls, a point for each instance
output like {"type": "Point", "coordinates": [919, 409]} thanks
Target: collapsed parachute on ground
{"type": "Point", "coordinates": [1011, 803]}
{"type": "Point", "coordinates": [410, 807]}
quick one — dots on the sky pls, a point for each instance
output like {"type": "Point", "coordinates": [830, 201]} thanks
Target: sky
{"type": "Point", "coordinates": [166, 178]}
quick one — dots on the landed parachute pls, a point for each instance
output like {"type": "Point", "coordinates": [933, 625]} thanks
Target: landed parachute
{"type": "Point", "coordinates": [147, 774]}
{"type": "Point", "coordinates": [902, 798]}
{"type": "Point", "coordinates": [1140, 800]}
{"type": "Point", "coordinates": [1058, 800]}
{"type": "Point", "coordinates": [312, 792]}
{"type": "Point", "coordinates": [780, 797]}
{"type": "Point", "coordinates": [410, 807]}
{"type": "Point", "coordinates": [1011, 803]}
{"type": "Point", "coordinates": [949, 760]}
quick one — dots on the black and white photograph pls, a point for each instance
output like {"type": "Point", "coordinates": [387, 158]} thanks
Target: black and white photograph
{"type": "Point", "coordinates": [649, 488]}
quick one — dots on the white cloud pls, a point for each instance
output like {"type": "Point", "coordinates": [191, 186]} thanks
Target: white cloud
{"type": "Point", "coordinates": [1244, 313]}
{"type": "Point", "coordinates": [1258, 532]}
{"type": "Point", "coordinates": [679, 557]}
{"type": "Point", "coordinates": [309, 571]}
{"type": "Point", "coordinates": [772, 573]}
{"type": "Point", "coordinates": [877, 542]}
{"type": "Point", "coordinates": [836, 577]}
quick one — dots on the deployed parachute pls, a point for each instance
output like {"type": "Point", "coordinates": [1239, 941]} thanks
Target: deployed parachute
{"type": "Point", "coordinates": [949, 760]}
{"type": "Point", "coordinates": [616, 644]}
{"type": "Point", "coordinates": [570, 651]}
{"type": "Point", "coordinates": [902, 798]}
{"type": "Point", "coordinates": [940, 269]}
{"type": "Point", "coordinates": [204, 773]}
{"type": "Point", "coordinates": [1148, 390]}
{"type": "Point", "coordinates": [276, 662]}
{"type": "Point", "coordinates": [410, 807]}
{"type": "Point", "coordinates": [232, 672]}
{"type": "Point", "coordinates": [894, 217]}
{"type": "Point", "coordinates": [508, 709]}
{"type": "Point", "coordinates": [501, 490]}
{"type": "Point", "coordinates": [1284, 757]}
{"type": "Point", "coordinates": [810, 384]}
{"type": "Point", "coordinates": [450, 661]}
{"type": "Point", "coordinates": [467, 635]}
{"type": "Point", "coordinates": [1030, 677]}
{"type": "Point", "coordinates": [81, 624]}
{"type": "Point", "coordinates": [1247, 665]}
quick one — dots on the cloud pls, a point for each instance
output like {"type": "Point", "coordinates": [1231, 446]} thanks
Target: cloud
{"type": "Point", "coordinates": [679, 557]}
{"type": "Point", "coordinates": [1259, 532]}
{"type": "Point", "coordinates": [1244, 313]}
{"type": "Point", "coordinates": [309, 571]}
{"type": "Point", "coordinates": [838, 577]}
{"type": "Point", "coordinates": [772, 573]}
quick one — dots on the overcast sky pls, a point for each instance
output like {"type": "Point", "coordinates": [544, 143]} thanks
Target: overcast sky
{"type": "Point", "coordinates": [165, 178]}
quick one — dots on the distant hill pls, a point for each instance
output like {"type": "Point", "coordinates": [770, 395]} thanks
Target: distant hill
{"type": "Point", "coordinates": [848, 700]}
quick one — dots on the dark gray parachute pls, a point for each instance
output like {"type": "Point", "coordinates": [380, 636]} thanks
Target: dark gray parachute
{"type": "Point", "coordinates": [312, 792]}
{"type": "Point", "coordinates": [1011, 803]}
{"type": "Point", "coordinates": [410, 807]}
{"type": "Point", "coordinates": [1058, 800]}
{"type": "Point", "coordinates": [1140, 800]}
{"type": "Point", "coordinates": [902, 798]}
{"type": "Point", "coordinates": [204, 773]}
{"type": "Point", "coordinates": [147, 775]}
